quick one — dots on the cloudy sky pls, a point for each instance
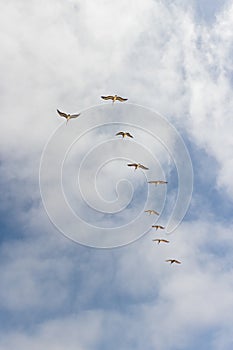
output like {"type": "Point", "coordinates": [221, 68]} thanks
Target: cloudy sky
{"type": "Point", "coordinates": [62, 290]}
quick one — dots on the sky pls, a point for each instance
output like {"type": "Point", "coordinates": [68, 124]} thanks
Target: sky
{"type": "Point", "coordinates": [78, 267]}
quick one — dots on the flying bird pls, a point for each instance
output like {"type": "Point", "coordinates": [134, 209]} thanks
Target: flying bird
{"type": "Point", "coordinates": [151, 211]}
{"type": "Point", "coordinates": [173, 261]}
{"type": "Point", "coordinates": [67, 116]}
{"type": "Point", "coordinates": [124, 134]}
{"type": "Point", "coordinates": [157, 182]}
{"type": "Point", "coordinates": [138, 165]}
{"type": "Point", "coordinates": [158, 226]}
{"type": "Point", "coordinates": [114, 98]}
{"type": "Point", "coordinates": [160, 240]}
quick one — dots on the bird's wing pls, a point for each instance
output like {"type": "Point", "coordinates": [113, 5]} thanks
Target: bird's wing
{"type": "Point", "coordinates": [151, 182]}
{"type": "Point", "coordinates": [62, 114]}
{"type": "Point", "coordinates": [120, 133]}
{"type": "Point", "coordinates": [155, 212]}
{"type": "Point", "coordinates": [155, 226]}
{"type": "Point", "coordinates": [107, 97]}
{"type": "Point", "coordinates": [165, 240]}
{"type": "Point", "coordinates": [75, 115]}
{"type": "Point", "coordinates": [169, 260]}
{"type": "Point", "coordinates": [156, 240]}
{"type": "Point", "coordinates": [121, 99]}
{"type": "Point", "coordinates": [129, 135]}
{"type": "Point", "coordinates": [143, 167]}
{"type": "Point", "coordinates": [146, 211]}
{"type": "Point", "coordinates": [134, 164]}
{"type": "Point", "coordinates": [177, 261]}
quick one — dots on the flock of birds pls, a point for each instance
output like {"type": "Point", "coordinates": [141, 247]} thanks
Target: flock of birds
{"type": "Point", "coordinates": [135, 165]}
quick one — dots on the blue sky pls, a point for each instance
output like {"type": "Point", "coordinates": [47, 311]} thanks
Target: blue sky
{"type": "Point", "coordinates": [168, 57]}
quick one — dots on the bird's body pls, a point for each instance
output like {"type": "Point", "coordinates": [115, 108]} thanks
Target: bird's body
{"type": "Point", "coordinates": [67, 116]}
{"type": "Point", "coordinates": [160, 240]}
{"type": "Point", "coordinates": [151, 211]}
{"type": "Point", "coordinates": [138, 165]}
{"type": "Point", "coordinates": [157, 182]}
{"type": "Point", "coordinates": [172, 261]}
{"type": "Point", "coordinates": [114, 98]}
{"type": "Point", "coordinates": [124, 134]}
{"type": "Point", "coordinates": [158, 226]}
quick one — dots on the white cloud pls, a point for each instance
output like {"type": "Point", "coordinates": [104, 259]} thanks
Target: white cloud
{"type": "Point", "coordinates": [119, 288]}
{"type": "Point", "coordinates": [167, 62]}
{"type": "Point", "coordinates": [66, 56]}
{"type": "Point", "coordinates": [74, 332]}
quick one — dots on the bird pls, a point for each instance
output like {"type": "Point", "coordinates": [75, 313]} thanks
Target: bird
{"type": "Point", "coordinates": [67, 116]}
{"type": "Point", "coordinates": [151, 211]}
{"type": "Point", "coordinates": [124, 134]}
{"type": "Point", "coordinates": [138, 165]}
{"type": "Point", "coordinates": [158, 226]}
{"type": "Point", "coordinates": [157, 182]}
{"type": "Point", "coordinates": [114, 98]}
{"type": "Point", "coordinates": [160, 240]}
{"type": "Point", "coordinates": [173, 261]}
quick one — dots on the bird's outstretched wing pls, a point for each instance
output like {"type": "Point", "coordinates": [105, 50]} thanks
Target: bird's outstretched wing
{"type": "Point", "coordinates": [107, 97]}
{"type": "Point", "coordinates": [133, 164]}
{"type": "Point", "coordinates": [121, 99]}
{"type": "Point", "coordinates": [164, 240]}
{"type": "Point", "coordinates": [143, 167]}
{"type": "Point", "coordinates": [177, 261]}
{"type": "Point", "coordinates": [75, 115]}
{"type": "Point", "coordinates": [129, 135]}
{"type": "Point", "coordinates": [62, 114]}
{"type": "Point", "coordinates": [154, 212]}
{"type": "Point", "coordinates": [120, 133]}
